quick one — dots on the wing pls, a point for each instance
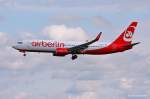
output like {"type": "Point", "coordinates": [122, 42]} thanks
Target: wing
{"type": "Point", "coordinates": [78, 48]}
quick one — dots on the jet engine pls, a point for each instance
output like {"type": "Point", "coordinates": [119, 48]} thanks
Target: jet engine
{"type": "Point", "coordinates": [61, 52]}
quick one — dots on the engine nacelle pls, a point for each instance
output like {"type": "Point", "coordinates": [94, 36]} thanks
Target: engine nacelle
{"type": "Point", "coordinates": [61, 52]}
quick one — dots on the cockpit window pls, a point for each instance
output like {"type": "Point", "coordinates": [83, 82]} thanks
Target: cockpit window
{"type": "Point", "coordinates": [20, 42]}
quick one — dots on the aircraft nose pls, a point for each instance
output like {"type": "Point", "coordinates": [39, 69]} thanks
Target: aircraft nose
{"type": "Point", "coordinates": [15, 47]}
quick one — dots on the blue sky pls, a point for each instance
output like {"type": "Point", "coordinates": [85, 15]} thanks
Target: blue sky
{"type": "Point", "coordinates": [41, 76]}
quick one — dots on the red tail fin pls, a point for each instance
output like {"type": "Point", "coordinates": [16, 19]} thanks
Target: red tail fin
{"type": "Point", "coordinates": [126, 37]}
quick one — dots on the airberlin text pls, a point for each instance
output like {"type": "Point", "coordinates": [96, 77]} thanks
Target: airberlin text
{"type": "Point", "coordinates": [47, 44]}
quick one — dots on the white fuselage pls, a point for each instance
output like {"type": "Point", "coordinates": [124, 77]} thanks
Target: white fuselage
{"type": "Point", "coordinates": [52, 45]}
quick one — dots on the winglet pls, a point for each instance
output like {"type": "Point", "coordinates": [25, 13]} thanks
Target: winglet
{"type": "Point", "coordinates": [98, 36]}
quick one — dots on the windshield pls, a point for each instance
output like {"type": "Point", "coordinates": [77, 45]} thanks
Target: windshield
{"type": "Point", "coordinates": [20, 42]}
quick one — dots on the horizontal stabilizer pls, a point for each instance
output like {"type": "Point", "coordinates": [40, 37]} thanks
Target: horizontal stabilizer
{"type": "Point", "coordinates": [133, 44]}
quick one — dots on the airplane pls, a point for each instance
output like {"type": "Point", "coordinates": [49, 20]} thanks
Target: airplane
{"type": "Point", "coordinates": [61, 48]}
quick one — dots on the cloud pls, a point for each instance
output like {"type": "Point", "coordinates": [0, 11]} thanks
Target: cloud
{"type": "Point", "coordinates": [85, 95]}
{"type": "Point", "coordinates": [96, 89]}
{"type": "Point", "coordinates": [101, 22]}
{"type": "Point", "coordinates": [4, 38]}
{"type": "Point", "coordinates": [62, 32]}
{"type": "Point", "coordinates": [21, 95]}
{"type": "Point", "coordinates": [25, 3]}
{"type": "Point", "coordinates": [115, 76]}
{"type": "Point", "coordinates": [90, 76]}
{"type": "Point", "coordinates": [109, 6]}
{"type": "Point", "coordinates": [126, 83]}
{"type": "Point", "coordinates": [78, 6]}
{"type": "Point", "coordinates": [61, 19]}
{"type": "Point", "coordinates": [7, 2]}
{"type": "Point", "coordinates": [28, 36]}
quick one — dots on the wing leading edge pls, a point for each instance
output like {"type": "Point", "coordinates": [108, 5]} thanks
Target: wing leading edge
{"type": "Point", "coordinates": [78, 48]}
